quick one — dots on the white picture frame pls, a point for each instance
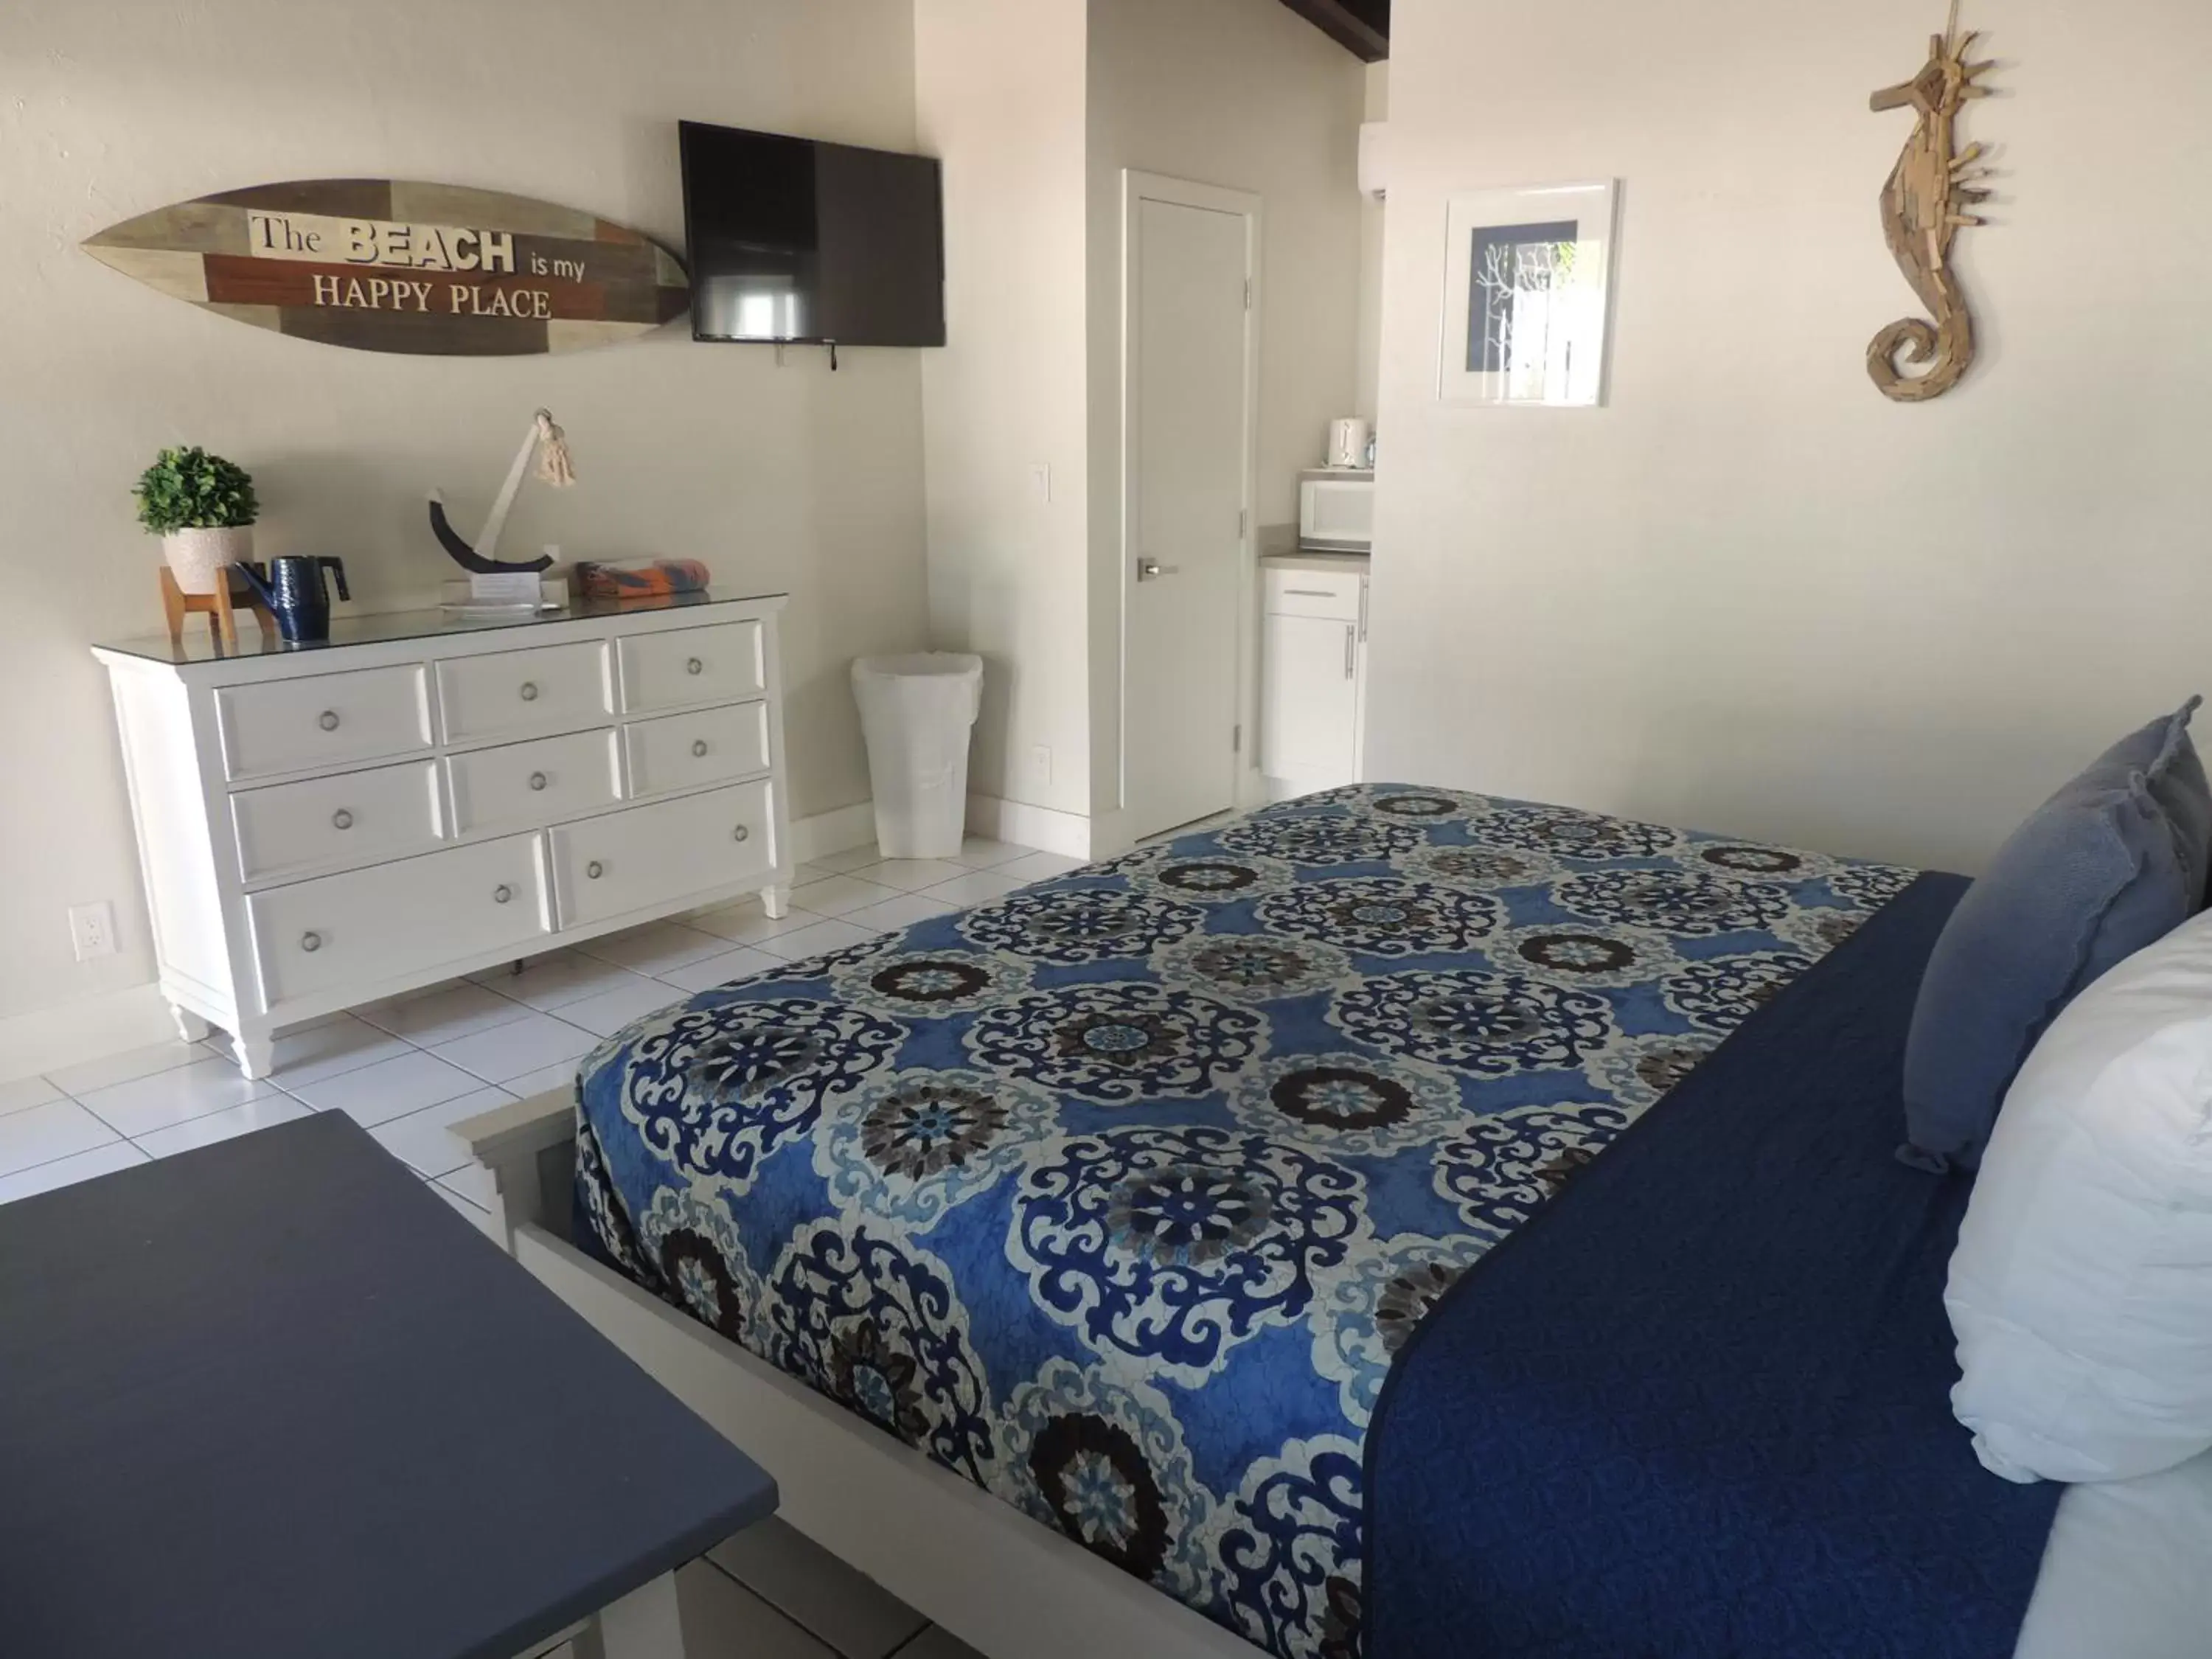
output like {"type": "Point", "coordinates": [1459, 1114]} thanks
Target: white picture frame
{"type": "Point", "coordinates": [1527, 295]}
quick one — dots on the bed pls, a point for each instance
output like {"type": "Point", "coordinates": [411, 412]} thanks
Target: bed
{"type": "Point", "coordinates": [1112, 1204]}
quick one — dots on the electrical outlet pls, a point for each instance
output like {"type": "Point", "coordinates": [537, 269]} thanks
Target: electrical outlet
{"type": "Point", "coordinates": [92, 929]}
{"type": "Point", "coordinates": [1041, 763]}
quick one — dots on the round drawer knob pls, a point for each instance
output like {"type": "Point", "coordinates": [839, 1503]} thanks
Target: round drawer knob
{"type": "Point", "coordinates": [537, 779]}
{"type": "Point", "coordinates": [530, 690]}
{"type": "Point", "coordinates": [329, 720]}
{"type": "Point", "coordinates": [310, 941]}
{"type": "Point", "coordinates": [741, 834]}
{"type": "Point", "coordinates": [695, 666]}
{"type": "Point", "coordinates": [699, 748]}
{"type": "Point", "coordinates": [501, 894]}
{"type": "Point", "coordinates": [341, 819]}
{"type": "Point", "coordinates": [595, 869]}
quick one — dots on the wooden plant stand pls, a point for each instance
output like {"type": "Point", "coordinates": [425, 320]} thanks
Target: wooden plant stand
{"type": "Point", "coordinates": [219, 607]}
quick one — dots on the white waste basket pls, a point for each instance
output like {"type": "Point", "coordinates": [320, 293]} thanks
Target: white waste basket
{"type": "Point", "coordinates": [915, 712]}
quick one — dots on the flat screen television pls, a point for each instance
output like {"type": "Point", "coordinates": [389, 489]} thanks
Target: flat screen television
{"type": "Point", "coordinates": [824, 243]}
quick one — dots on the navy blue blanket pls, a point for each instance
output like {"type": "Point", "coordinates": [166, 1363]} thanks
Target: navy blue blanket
{"type": "Point", "coordinates": [1698, 1405]}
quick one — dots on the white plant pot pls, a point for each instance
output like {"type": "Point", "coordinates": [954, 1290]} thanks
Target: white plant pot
{"type": "Point", "coordinates": [197, 556]}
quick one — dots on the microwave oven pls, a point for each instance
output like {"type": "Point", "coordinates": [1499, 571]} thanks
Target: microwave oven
{"type": "Point", "coordinates": [1336, 509]}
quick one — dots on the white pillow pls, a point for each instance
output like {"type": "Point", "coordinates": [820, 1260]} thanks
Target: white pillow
{"type": "Point", "coordinates": [2081, 1289]}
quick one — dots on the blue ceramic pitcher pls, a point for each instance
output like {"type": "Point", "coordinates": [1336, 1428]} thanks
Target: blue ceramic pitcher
{"type": "Point", "coordinates": [294, 592]}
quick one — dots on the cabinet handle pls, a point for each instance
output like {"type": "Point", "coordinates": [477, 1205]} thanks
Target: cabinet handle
{"type": "Point", "coordinates": [1351, 648]}
{"type": "Point", "coordinates": [530, 690]}
{"type": "Point", "coordinates": [501, 894]}
{"type": "Point", "coordinates": [595, 870]}
{"type": "Point", "coordinates": [310, 941]}
{"type": "Point", "coordinates": [695, 666]}
{"type": "Point", "coordinates": [537, 779]}
{"type": "Point", "coordinates": [341, 819]}
{"type": "Point", "coordinates": [329, 721]}
{"type": "Point", "coordinates": [741, 834]}
{"type": "Point", "coordinates": [1309, 594]}
{"type": "Point", "coordinates": [699, 748]}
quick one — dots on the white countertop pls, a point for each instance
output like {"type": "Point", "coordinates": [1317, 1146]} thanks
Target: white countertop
{"type": "Point", "coordinates": [1316, 559]}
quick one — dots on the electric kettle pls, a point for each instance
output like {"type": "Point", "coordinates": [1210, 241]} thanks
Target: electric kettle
{"type": "Point", "coordinates": [1347, 442]}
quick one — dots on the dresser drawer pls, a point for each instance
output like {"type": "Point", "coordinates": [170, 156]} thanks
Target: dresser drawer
{"type": "Point", "coordinates": [520, 786]}
{"type": "Point", "coordinates": [511, 693]}
{"type": "Point", "coordinates": [691, 665]}
{"type": "Point", "coordinates": [358, 931]}
{"type": "Point", "coordinates": [323, 720]}
{"type": "Point", "coordinates": [685, 751]}
{"type": "Point", "coordinates": [1331, 595]}
{"type": "Point", "coordinates": [646, 855]}
{"type": "Point", "coordinates": [322, 823]}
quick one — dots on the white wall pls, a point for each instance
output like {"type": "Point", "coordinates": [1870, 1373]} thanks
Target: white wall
{"type": "Point", "coordinates": [1035, 108]}
{"type": "Point", "coordinates": [1371, 213]}
{"type": "Point", "coordinates": [779, 479]}
{"type": "Point", "coordinates": [999, 98]}
{"type": "Point", "coordinates": [1246, 94]}
{"type": "Point", "coordinates": [1753, 593]}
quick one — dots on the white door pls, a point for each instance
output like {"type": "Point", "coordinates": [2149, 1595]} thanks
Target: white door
{"type": "Point", "coordinates": [1187, 408]}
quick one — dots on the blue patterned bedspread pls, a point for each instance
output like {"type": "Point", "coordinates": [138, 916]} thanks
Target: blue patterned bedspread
{"type": "Point", "coordinates": [1117, 1196]}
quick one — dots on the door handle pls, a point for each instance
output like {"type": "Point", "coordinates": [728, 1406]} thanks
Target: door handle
{"type": "Point", "coordinates": [1152, 570]}
{"type": "Point", "coordinates": [1351, 650]}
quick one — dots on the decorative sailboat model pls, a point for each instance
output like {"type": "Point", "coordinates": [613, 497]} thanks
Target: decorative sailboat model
{"type": "Point", "coordinates": [498, 588]}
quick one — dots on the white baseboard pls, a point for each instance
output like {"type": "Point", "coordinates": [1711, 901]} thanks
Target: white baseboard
{"type": "Point", "coordinates": [48, 1039]}
{"type": "Point", "coordinates": [834, 831]}
{"type": "Point", "coordinates": [1071, 835]}
{"type": "Point", "coordinates": [1109, 836]}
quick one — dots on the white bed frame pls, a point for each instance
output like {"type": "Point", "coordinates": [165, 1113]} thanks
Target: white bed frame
{"type": "Point", "coordinates": [1016, 1589]}
{"type": "Point", "coordinates": [1004, 1583]}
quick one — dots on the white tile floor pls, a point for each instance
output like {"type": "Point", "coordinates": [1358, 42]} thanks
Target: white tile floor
{"type": "Point", "coordinates": [408, 1069]}
{"type": "Point", "coordinates": [769, 1593]}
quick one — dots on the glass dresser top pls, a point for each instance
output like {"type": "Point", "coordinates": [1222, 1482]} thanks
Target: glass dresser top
{"type": "Point", "coordinates": [198, 643]}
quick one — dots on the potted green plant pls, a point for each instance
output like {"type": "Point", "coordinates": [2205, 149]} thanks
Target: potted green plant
{"type": "Point", "coordinates": [203, 508]}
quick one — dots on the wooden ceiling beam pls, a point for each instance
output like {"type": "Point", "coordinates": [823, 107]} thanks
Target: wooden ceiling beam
{"type": "Point", "coordinates": [1345, 27]}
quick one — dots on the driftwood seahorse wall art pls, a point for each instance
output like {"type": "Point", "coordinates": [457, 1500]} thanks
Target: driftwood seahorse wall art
{"type": "Point", "coordinates": [1922, 210]}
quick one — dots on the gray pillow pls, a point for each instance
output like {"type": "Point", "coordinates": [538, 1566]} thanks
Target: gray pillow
{"type": "Point", "coordinates": [2110, 864]}
{"type": "Point", "coordinates": [2164, 754]}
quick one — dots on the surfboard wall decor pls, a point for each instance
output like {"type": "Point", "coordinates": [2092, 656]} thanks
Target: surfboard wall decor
{"type": "Point", "coordinates": [384, 264]}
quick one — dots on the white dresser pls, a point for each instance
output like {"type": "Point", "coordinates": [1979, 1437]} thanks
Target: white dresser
{"type": "Point", "coordinates": [322, 826]}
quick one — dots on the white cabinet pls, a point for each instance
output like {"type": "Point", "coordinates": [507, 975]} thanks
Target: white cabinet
{"type": "Point", "coordinates": [1313, 673]}
{"type": "Point", "coordinates": [690, 667]}
{"type": "Point", "coordinates": [421, 798]}
{"type": "Point", "coordinates": [391, 920]}
{"type": "Point", "coordinates": [322, 720]}
{"type": "Point", "coordinates": [630, 861]}
{"type": "Point", "coordinates": [686, 751]}
{"type": "Point", "coordinates": [1310, 694]}
{"type": "Point", "coordinates": [330, 823]}
{"type": "Point", "coordinates": [514, 694]}
{"type": "Point", "coordinates": [517, 786]}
